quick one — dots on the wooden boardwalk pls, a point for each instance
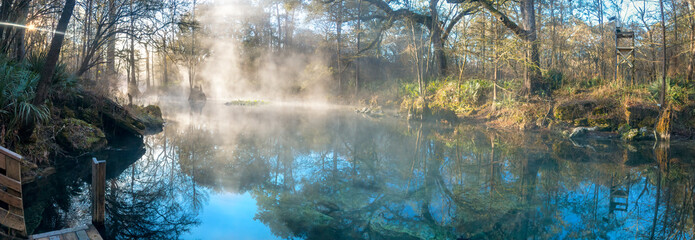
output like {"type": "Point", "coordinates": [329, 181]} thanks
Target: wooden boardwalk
{"type": "Point", "coordinates": [78, 233]}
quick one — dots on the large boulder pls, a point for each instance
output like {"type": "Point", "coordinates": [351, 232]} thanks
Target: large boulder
{"type": "Point", "coordinates": [150, 116]}
{"type": "Point", "coordinates": [79, 136]}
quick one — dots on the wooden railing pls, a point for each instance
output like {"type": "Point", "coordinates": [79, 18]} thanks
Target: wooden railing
{"type": "Point", "coordinates": [11, 207]}
{"type": "Point", "coordinates": [98, 192]}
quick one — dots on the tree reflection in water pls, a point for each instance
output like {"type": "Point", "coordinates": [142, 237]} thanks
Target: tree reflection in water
{"type": "Point", "coordinates": [332, 174]}
{"type": "Point", "coordinates": [341, 176]}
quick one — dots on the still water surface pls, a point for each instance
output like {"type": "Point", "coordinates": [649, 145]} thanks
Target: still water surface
{"type": "Point", "coordinates": [307, 172]}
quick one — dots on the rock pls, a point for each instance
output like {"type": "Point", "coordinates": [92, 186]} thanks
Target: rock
{"type": "Point", "coordinates": [150, 116]}
{"type": "Point", "coordinates": [581, 131]}
{"type": "Point", "coordinates": [631, 135]}
{"type": "Point", "coordinates": [79, 136]}
{"type": "Point", "coordinates": [635, 134]}
{"type": "Point", "coordinates": [641, 115]}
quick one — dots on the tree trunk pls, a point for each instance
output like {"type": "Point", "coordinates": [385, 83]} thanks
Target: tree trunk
{"type": "Point", "coordinates": [165, 75]}
{"type": "Point", "coordinates": [147, 67]}
{"type": "Point", "coordinates": [132, 84]}
{"type": "Point", "coordinates": [111, 47]}
{"type": "Point", "coordinates": [532, 56]}
{"type": "Point", "coordinates": [663, 60]}
{"type": "Point", "coordinates": [338, 30]}
{"type": "Point", "coordinates": [532, 78]}
{"type": "Point", "coordinates": [20, 48]}
{"type": "Point", "coordinates": [691, 65]}
{"type": "Point", "coordinates": [191, 61]}
{"type": "Point", "coordinates": [357, 58]}
{"type": "Point", "coordinates": [53, 54]}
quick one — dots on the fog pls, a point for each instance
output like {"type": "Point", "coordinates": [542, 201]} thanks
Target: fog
{"type": "Point", "coordinates": [241, 61]}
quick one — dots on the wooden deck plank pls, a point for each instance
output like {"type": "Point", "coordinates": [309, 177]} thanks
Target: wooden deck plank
{"type": "Point", "coordinates": [82, 235]}
{"type": "Point", "coordinates": [3, 159]}
{"type": "Point", "coordinates": [9, 153]}
{"type": "Point", "coordinates": [11, 199]}
{"type": "Point", "coordinates": [11, 183]}
{"type": "Point", "coordinates": [11, 220]}
{"type": "Point", "coordinates": [60, 232]}
{"type": "Point", "coordinates": [69, 236]}
{"type": "Point", "coordinates": [93, 233]}
{"type": "Point", "coordinates": [14, 170]}
{"type": "Point", "coordinates": [84, 232]}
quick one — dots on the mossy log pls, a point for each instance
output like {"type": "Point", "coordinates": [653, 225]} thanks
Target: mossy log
{"type": "Point", "coordinates": [101, 111]}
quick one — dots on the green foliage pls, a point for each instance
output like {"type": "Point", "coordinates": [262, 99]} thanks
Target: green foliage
{"type": "Point", "coordinates": [551, 80]}
{"type": "Point", "coordinates": [592, 82]}
{"type": "Point", "coordinates": [62, 80]}
{"type": "Point", "coordinates": [17, 87]}
{"type": "Point", "coordinates": [678, 92]}
{"type": "Point", "coordinates": [410, 90]}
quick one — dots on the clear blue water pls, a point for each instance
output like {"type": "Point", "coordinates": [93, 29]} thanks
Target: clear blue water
{"type": "Point", "coordinates": [293, 172]}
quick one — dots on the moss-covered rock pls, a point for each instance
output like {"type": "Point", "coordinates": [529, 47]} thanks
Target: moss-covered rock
{"type": "Point", "coordinates": [641, 115]}
{"type": "Point", "coordinates": [91, 116]}
{"type": "Point", "coordinates": [79, 136]}
{"type": "Point", "coordinates": [150, 116]}
{"type": "Point", "coordinates": [635, 134]}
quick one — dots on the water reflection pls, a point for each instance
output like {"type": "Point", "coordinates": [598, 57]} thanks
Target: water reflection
{"type": "Point", "coordinates": [333, 174]}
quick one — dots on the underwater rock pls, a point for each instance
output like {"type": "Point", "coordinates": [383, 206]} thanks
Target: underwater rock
{"type": "Point", "coordinates": [79, 136]}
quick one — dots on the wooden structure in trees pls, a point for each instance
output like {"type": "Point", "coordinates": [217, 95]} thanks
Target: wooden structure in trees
{"type": "Point", "coordinates": [619, 193]}
{"type": "Point", "coordinates": [625, 49]}
{"type": "Point", "coordinates": [11, 206]}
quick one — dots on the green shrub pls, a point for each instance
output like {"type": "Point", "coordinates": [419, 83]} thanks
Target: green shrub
{"type": "Point", "coordinates": [62, 80]}
{"type": "Point", "coordinates": [676, 93]}
{"type": "Point", "coordinates": [410, 90]}
{"type": "Point", "coordinates": [17, 91]}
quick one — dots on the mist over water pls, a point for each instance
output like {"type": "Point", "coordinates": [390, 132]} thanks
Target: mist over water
{"type": "Point", "coordinates": [292, 171]}
{"type": "Point", "coordinates": [241, 64]}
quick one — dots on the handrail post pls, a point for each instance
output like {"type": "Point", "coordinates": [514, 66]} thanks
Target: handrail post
{"type": "Point", "coordinates": [98, 191]}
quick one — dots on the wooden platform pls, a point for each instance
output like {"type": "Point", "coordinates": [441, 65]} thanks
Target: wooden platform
{"type": "Point", "coordinates": [78, 233]}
